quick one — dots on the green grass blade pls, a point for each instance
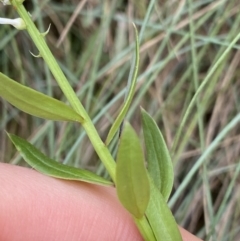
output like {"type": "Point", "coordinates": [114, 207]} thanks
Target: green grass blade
{"type": "Point", "coordinates": [160, 217]}
{"type": "Point", "coordinates": [202, 158]}
{"type": "Point", "coordinates": [131, 175]}
{"type": "Point", "coordinates": [159, 161]}
{"type": "Point", "coordinates": [49, 167]}
{"type": "Point", "coordinates": [34, 102]}
{"type": "Point", "coordinates": [129, 96]}
{"type": "Point", "coordinates": [201, 87]}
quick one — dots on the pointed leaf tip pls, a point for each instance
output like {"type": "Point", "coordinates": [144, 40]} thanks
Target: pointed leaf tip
{"type": "Point", "coordinates": [129, 95]}
{"type": "Point", "coordinates": [36, 103]}
{"type": "Point", "coordinates": [49, 167]}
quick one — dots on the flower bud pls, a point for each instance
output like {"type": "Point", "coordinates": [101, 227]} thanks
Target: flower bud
{"type": "Point", "coordinates": [18, 23]}
{"type": "Point", "coordinates": [6, 2]}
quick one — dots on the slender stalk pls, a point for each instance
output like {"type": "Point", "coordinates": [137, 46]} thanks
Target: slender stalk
{"type": "Point", "coordinates": [45, 53]}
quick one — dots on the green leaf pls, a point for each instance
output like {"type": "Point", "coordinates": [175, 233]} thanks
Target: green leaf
{"type": "Point", "coordinates": [160, 217]}
{"type": "Point", "coordinates": [145, 228]}
{"type": "Point", "coordinates": [35, 103]}
{"type": "Point", "coordinates": [159, 161]}
{"type": "Point", "coordinates": [49, 167]}
{"type": "Point", "coordinates": [131, 175]}
{"type": "Point", "coordinates": [129, 96]}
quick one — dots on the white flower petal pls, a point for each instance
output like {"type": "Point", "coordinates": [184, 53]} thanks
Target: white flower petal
{"type": "Point", "coordinates": [18, 23]}
{"type": "Point", "coordinates": [6, 2]}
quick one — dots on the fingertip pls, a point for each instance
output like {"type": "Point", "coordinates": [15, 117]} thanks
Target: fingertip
{"type": "Point", "coordinates": [37, 207]}
{"type": "Point", "coordinates": [44, 208]}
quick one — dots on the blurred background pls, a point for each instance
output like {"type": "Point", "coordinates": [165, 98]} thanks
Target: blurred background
{"type": "Point", "coordinates": [181, 42]}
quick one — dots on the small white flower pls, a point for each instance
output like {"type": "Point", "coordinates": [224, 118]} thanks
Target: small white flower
{"type": "Point", "coordinates": [6, 2]}
{"type": "Point", "coordinates": [18, 23]}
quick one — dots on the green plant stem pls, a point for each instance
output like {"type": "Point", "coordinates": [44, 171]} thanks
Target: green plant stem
{"type": "Point", "coordinates": [100, 148]}
{"type": "Point", "coordinates": [145, 229]}
{"type": "Point", "coordinates": [45, 53]}
{"type": "Point", "coordinates": [87, 124]}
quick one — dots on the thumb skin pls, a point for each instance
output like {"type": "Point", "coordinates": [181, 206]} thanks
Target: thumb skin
{"type": "Point", "coordinates": [37, 207]}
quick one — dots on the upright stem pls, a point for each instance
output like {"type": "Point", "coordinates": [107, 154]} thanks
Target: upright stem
{"type": "Point", "coordinates": [45, 53]}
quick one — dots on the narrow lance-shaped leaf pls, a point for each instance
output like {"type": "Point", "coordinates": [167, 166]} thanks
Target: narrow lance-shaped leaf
{"type": "Point", "coordinates": [131, 175]}
{"type": "Point", "coordinates": [130, 92]}
{"type": "Point", "coordinates": [34, 102]}
{"type": "Point", "coordinates": [158, 158]}
{"type": "Point", "coordinates": [49, 167]}
{"type": "Point", "coordinates": [160, 217]}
